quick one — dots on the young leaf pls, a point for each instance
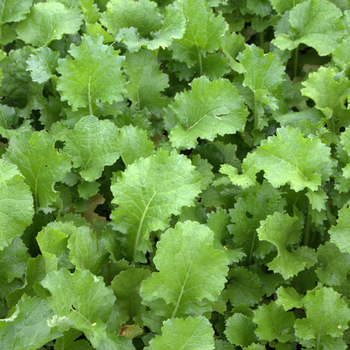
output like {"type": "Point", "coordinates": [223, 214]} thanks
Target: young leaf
{"type": "Point", "coordinates": [190, 270]}
{"type": "Point", "coordinates": [202, 35]}
{"type": "Point", "coordinates": [314, 23]}
{"type": "Point", "coordinates": [16, 208]}
{"type": "Point", "coordinates": [146, 81]}
{"type": "Point", "coordinates": [284, 231]}
{"type": "Point", "coordinates": [7, 13]}
{"type": "Point", "coordinates": [186, 334]}
{"type": "Point", "coordinates": [47, 22]}
{"type": "Point", "coordinates": [240, 330]}
{"type": "Point", "coordinates": [328, 94]}
{"type": "Point", "coordinates": [82, 299]}
{"type": "Point", "coordinates": [209, 109]}
{"type": "Point", "coordinates": [42, 64]}
{"type": "Point", "coordinates": [126, 287]}
{"type": "Point", "coordinates": [27, 327]}
{"type": "Point", "coordinates": [289, 157]}
{"type": "Point", "coordinates": [91, 146]}
{"type": "Point", "coordinates": [40, 164]}
{"type": "Point", "coordinates": [94, 75]}
{"type": "Point", "coordinates": [339, 233]}
{"type": "Point", "coordinates": [273, 323]}
{"type": "Point", "coordinates": [327, 316]}
{"type": "Point", "coordinates": [150, 191]}
{"type": "Point", "coordinates": [134, 144]}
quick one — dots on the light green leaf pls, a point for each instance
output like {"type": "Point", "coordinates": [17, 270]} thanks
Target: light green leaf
{"type": "Point", "coordinates": [47, 22]}
{"type": "Point", "coordinates": [281, 6]}
{"type": "Point", "coordinates": [42, 64]}
{"type": "Point", "coordinates": [87, 251]}
{"type": "Point", "coordinates": [190, 270]}
{"type": "Point", "coordinates": [314, 23]}
{"type": "Point", "coordinates": [340, 233]}
{"type": "Point", "coordinates": [328, 94]}
{"type": "Point", "coordinates": [252, 206]}
{"type": "Point", "coordinates": [240, 330]}
{"type": "Point", "coordinates": [283, 231]}
{"type": "Point", "coordinates": [202, 35]}
{"type": "Point", "coordinates": [209, 109]}
{"type": "Point", "coordinates": [26, 328]}
{"type": "Point", "coordinates": [90, 10]}
{"type": "Point", "coordinates": [263, 74]}
{"type": "Point", "coordinates": [186, 334]}
{"type": "Point", "coordinates": [289, 157]}
{"type": "Point", "coordinates": [40, 164]}
{"type": "Point", "coordinates": [243, 287]}
{"type": "Point", "coordinates": [81, 299]}
{"type": "Point", "coordinates": [16, 204]}
{"type": "Point", "coordinates": [150, 191]}
{"type": "Point", "coordinates": [126, 287]}
{"type": "Point", "coordinates": [334, 265]}
{"type": "Point", "coordinates": [289, 298]}
{"type": "Point", "coordinates": [146, 81]}
{"type": "Point", "coordinates": [327, 316]}
{"type": "Point", "coordinates": [134, 144]}
{"type": "Point", "coordinates": [204, 169]}
{"type": "Point", "coordinates": [273, 323]}
{"type": "Point", "coordinates": [142, 15]}
{"type": "Point", "coordinates": [91, 146]}
{"type": "Point", "coordinates": [317, 199]}
{"type": "Point", "coordinates": [94, 75]}
{"type": "Point", "coordinates": [14, 10]}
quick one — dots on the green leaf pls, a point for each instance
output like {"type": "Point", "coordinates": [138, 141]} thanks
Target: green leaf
{"type": "Point", "coordinates": [146, 81]}
{"type": "Point", "coordinates": [126, 287]}
{"type": "Point", "coordinates": [289, 298]}
{"type": "Point", "coordinates": [202, 35]}
{"type": "Point", "coordinates": [42, 64]}
{"type": "Point", "coordinates": [282, 6]}
{"type": "Point", "coordinates": [209, 109]}
{"type": "Point", "coordinates": [334, 265]}
{"type": "Point", "coordinates": [289, 157]}
{"type": "Point", "coordinates": [93, 76]}
{"type": "Point", "coordinates": [40, 164]}
{"type": "Point", "coordinates": [314, 23]}
{"type": "Point", "coordinates": [190, 270]}
{"type": "Point", "coordinates": [47, 22]}
{"type": "Point", "coordinates": [91, 146]}
{"type": "Point", "coordinates": [16, 204]}
{"type": "Point", "coordinates": [328, 94]}
{"type": "Point", "coordinates": [134, 144]}
{"type": "Point", "coordinates": [142, 15]}
{"type": "Point", "coordinates": [8, 14]}
{"type": "Point", "coordinates": [273, 323]}
{"type": "Point", "coordinates": [26, 327]}
{"type": "Point", "coordinates": [186, 334]}
{"type": "Point", "coordinates": [283, 231]}
{"type": "Point", "coordinates": [86, 250]}
{"type": "Point", "coordinates": [82, 300]}
{"type": "Point", "coordinates": [243, 287]}
{"type": "Point", "coordinates": [327, 316]}
{"type": "Point", "coordinates": [90, 10]}
{"type": "Point", "coordinates": [150, 191]}
{"type": "Point", "coordinates": [240, 330]}
{"type": "Point", "coordinates": [339, 233]}
{"type": "Point", "coordinates": [69, 342]}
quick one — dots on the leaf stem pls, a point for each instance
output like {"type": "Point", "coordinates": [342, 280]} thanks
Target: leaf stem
{"type": "Point", "coordinates": [200, 63]}
{"type": "Point", "coordinates": [255, 114]}
{"type": "Point", "coordinates": [296, 58]}
{"type": "Point", "coordinates": [261, 40]}
{"type": "Point", "coordinates": [89, 96]}
{"type": "Point", "coordinates": [307, 226]}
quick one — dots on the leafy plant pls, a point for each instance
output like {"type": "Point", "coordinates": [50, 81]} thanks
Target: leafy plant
{"type": "Point", "coordinates": [174, 174]}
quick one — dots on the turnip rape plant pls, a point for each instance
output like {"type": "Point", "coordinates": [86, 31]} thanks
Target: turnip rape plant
{"type": "Point", "coordinates": [174, 174]}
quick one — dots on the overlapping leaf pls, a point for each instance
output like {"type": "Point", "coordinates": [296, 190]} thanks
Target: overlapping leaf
{"type": "Point", "coordinates": [47, 22]}
{"type": "Point", "coordinates": [40, 164]}
{"type": "Point", "coordinates": [190, 270]}
{"type": "Point", "coordinates": [16, 203]}
{"type": "Point", "coordinates": [209, 109]}
{"type": "Point", "coordinates": [149, 192]}
{"type": "Point", "coordinates": [314, 23]}
{"type": "Point", "coordinates": [340, 233]}
{"type": "Point", "coordinates": [91, 146]}
{"type": "Point", "coordinates": [7, 13]}
{"type": "Point", "coordinates": [94, 74]}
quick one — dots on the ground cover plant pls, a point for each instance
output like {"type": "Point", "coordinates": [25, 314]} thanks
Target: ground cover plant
{"type": "Point", "coordinates": [174, 174]}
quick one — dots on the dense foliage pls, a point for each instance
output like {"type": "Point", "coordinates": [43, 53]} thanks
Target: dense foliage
{"type": "Point", "coordinates": [174, 174]}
